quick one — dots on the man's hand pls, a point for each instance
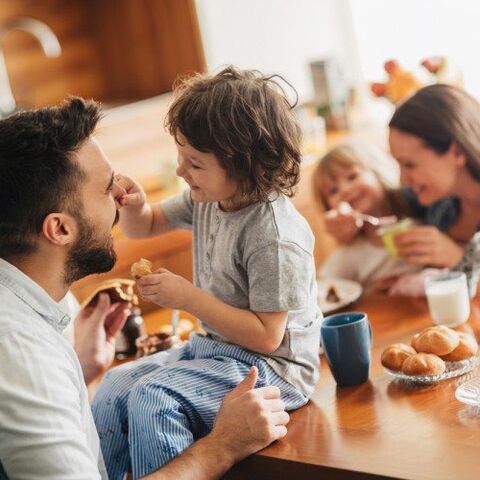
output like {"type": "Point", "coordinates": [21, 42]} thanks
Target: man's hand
{"type": "Point", "coordinates": [95, 330]}
{"type": "Point", "coordinates": [428, 246]}
{"type": "Point", "coordinates": [250, 419]}
{"type": "Point", "coordinates": [166, 289]}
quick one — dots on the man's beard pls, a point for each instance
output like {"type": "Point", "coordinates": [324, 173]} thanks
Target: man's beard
{"type": "Point", "coordinates": [89, 254]}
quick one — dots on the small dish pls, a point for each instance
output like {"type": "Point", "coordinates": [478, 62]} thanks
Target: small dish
{"type": "Point", "coordinates": [454, 369]}
{"type": "Point", "coordinates": [469, 392]}
{"type": "Point", "coordinates": [347, 292]}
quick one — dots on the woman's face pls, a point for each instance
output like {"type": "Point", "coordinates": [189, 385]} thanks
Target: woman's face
{"type": "Point", "coordinates": [430, 175]}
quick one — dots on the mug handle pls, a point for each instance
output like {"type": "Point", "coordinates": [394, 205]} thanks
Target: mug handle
{"type": "Point", "coordinates": [370, 332]}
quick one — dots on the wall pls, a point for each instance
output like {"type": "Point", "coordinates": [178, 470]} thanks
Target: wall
{"type": "Point", "coordinates": [411, 30]}
{"type": "Point", "coordinates": [280, 36]}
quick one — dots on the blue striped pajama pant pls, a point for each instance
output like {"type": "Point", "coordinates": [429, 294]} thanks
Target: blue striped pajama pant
{"type": "Point", "coordinates": [149, 411]}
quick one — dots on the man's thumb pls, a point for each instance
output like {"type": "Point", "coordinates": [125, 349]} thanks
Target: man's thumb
{"type": "Point", "coordinates": [246, 384]}
{"type": "Point", "coordinates": [102, 308]}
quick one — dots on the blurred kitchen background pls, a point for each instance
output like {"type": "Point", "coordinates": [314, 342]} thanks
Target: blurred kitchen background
{"type": "Point", "coordinates": [119, 51]}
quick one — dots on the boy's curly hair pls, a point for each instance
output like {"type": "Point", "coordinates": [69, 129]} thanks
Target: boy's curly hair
{"type": "Point", "coordinates": [245, 119]}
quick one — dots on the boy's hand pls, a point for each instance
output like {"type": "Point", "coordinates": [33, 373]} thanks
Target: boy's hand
{"type": "Point", "coordinates": [134, 195]}
{"type": "Point", "coordinates": [166, 289]}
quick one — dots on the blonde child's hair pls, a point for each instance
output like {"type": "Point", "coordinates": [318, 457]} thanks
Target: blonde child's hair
{"type": "Point", "coordinates": [354, 153]}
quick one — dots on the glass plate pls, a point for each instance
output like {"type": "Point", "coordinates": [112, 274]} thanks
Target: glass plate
{"type": "Point", "coordinates": [469, 392]}
{"type": "Point", "coordinates": [453, 369]}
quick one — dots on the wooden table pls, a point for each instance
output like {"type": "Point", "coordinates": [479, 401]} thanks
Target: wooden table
{"type": "Point", "coordinates": [383, 428]}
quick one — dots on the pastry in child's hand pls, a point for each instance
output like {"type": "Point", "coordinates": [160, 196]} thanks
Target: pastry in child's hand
{"type": "Point", "coordinates": [394, 356]}
{"type": "Point", "coordinates": [141, 268]}
{"type": "Point", "coordinates": [439, 340]}
{"type": "Point", "coordinates": [467, 347]}
{"type": "Point", "coordinates": [423, 364]}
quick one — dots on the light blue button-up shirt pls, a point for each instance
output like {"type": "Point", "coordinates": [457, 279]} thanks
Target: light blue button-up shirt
{"type": "Point", "coordinates": [46, 426]}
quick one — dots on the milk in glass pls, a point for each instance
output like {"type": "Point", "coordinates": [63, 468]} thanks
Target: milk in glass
{"type": "Point", "coordinates": [448, 299]}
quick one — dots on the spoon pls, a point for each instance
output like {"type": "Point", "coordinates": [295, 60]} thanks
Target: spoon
{"type": "Point", "coordinates": [345, 208]}
{"type": "Point", "coordinates": [361, 218]}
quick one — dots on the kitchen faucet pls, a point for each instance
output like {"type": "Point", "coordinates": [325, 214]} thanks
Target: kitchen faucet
{"type": "Point", "coordinates": [47, 39]}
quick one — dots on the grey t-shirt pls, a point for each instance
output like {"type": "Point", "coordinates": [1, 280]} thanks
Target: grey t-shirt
{"type": "Point", "coordinates": [259, 258]}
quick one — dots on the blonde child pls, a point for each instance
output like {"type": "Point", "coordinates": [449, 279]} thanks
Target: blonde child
{"type": "Point", "coordinates": [352, 178]}
{"type": "Point", "coordinates": [254, 277]}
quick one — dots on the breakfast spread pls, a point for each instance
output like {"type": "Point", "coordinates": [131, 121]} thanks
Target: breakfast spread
{"type": "Point", "coordinates": [439, 340]}
{"type": "Point", "coordinates": [141, 268]}
{"type": "Point", "coordinates": [157, 342]}
{"type": "Point", "coordinates": [423, 364]}
{"type": "Point", "coordinates": [164, 339]}
{"type": "Point", "coordinates": [394, 355]}
{"type": "Point", "coordinates": [429, 351]}
{"type": "Point", "coordinates": [467, 347]}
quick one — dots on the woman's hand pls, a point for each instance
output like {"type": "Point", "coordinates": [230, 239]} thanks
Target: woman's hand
{"type": "Point", "coordinates": [427, 245]}
{"type": "Point", "coordinates": [166, 289]}
{"type": "Point", "coordinates": [341, 223]}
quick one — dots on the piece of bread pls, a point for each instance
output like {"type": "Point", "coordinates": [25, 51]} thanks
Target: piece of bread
{"type": "Point", "coordinates": [118, 289]}
{"type": "Point", "coordinates": [394, 356]}
{"type": "Point", "coordinates": [439, 340]}
{"type": "Point", "coordinates": [423, 364]}
{"type": "Point", "coordinates": [141, 268]}
{"type": "Point", "coordinates": [467, 347]}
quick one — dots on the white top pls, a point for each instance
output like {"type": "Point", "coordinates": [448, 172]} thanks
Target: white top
{"type": "Point", "coordinates": [363, 262]}
{"type": "Point", "coordinates": [46, 426]}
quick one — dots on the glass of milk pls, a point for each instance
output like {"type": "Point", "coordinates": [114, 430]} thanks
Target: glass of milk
{"type": "Point", "coordinates": [448, 299]}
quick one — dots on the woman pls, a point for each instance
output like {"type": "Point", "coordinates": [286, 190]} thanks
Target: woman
{"type": "Point", "coordinates": [435, 137]}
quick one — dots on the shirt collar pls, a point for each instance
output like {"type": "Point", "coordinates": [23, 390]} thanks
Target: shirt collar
{"type": "Point", "coordinates": [33, 295]}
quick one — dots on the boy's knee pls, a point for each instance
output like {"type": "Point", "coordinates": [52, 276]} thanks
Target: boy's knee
{"type": "Point", "coordinates": [148, 395]}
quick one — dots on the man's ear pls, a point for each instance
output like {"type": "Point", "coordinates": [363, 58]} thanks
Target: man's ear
{"type": "Point", "coordinates": [59, 229]}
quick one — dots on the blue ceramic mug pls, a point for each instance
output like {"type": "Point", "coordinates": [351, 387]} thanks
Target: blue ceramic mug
{"type": "Point", "coordinates": [347, 341]}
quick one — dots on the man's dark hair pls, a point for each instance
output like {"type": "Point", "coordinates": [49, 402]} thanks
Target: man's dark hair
{"type": "Point", "coordinates": [38, 174]}
{"type": "Point", "coordinates": [245, 119]}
